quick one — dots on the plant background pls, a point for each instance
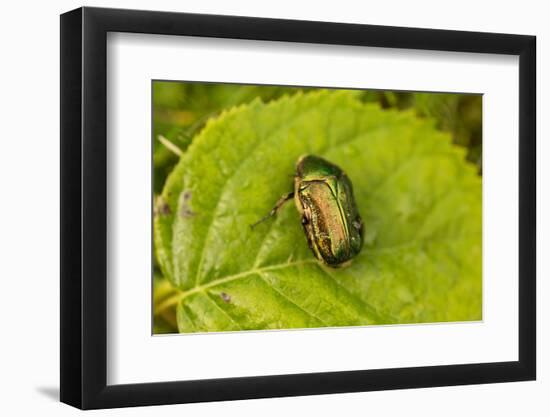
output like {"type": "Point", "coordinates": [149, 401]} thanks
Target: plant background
{"type": "Point", "coordinates": [181, 110]}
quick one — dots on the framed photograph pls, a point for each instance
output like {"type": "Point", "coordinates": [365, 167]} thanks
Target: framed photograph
{"type": "Point", "coordinates": [257, 208]}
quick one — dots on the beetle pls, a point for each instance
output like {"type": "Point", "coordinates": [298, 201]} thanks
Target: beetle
{"type": "Point", "coordinates": [323, 195]}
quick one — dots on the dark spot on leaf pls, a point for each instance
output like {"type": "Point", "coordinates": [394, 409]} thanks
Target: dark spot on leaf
{"type": "Point", "coordinates": [225, 297]}
{"type": "Point", "coordinates": [162, 208]}
{"type": "Point", "coordinates": [185, 210]}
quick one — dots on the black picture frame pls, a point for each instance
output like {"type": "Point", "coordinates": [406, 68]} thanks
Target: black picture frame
{"type": "Point", "coordinates": [84, 207]}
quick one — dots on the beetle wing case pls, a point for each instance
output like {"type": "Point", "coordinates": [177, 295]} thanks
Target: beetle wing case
{"type": "Point", "coordinates": [324, 197]}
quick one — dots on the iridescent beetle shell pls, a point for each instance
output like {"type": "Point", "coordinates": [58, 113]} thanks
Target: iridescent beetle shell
{"type": "Point", "coordinates": [323, 194]}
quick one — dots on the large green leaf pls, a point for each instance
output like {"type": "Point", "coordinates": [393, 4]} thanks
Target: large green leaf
{"type": "Point", "coordinates": [419, 199]}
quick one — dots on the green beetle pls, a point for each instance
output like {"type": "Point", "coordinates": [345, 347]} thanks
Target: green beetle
{"type": "Point", "coordinates": [324, 197]}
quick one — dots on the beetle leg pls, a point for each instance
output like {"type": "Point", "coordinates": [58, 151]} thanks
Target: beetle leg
{"type": "Point", "coordinates": [280, 203]}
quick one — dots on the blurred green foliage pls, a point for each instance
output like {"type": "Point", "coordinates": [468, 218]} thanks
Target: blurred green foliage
{"type": "Point", "coordinates": [165, 321]}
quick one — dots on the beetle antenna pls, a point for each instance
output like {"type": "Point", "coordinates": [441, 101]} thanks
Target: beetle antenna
{"type": "Point", "coordinates": [263, 219]}
{"type": "Point", "coordinates": [275, 209]}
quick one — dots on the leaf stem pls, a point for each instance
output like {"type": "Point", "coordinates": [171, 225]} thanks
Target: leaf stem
{"type": "Point", "coordinates": [170, 145]}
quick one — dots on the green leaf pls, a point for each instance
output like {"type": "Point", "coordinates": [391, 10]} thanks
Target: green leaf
{"type": "Point", "coordinates": [419, 199]}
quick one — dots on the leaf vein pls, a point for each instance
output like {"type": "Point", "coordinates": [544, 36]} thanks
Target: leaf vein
{"type": "Point", "coordinates": [229, 278]}
{"type": "Point", "coordinates": [286, 297]}
{"type": "Point", "coordinates": [369, 309]}
{"type": "Point", "coordinates": [209, 297]}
